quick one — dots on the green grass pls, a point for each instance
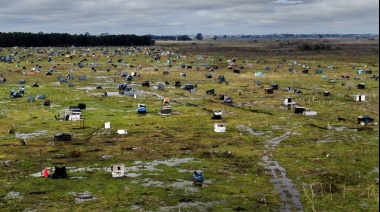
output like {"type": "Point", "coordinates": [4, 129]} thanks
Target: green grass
{"type": "Point", "coordinates": [317, 152]}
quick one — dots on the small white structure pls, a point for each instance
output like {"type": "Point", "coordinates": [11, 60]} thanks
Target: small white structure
{"type": "Point", "coordinates": [218, 112]}
{"type": "Point", "coordinates": [75, 116]}
{"type": "Point", "coordinates": [359, 97]}
{"type": "Point", "coordinates": [111, 94]}
{"type": "Point", "coordinates": [107, 125]}
{"type": "Point", "coordinates": [220, 127]}
{"type": "Point", "coordinates": [122, 132]}
{"type": "Point", "coordinates": [118, 170]}
{"type": "Point", "coordinates": [71, 115]}
{"type": "Point", "coordinates": [309, 112]}
{"type": "Point", "coordinates": [289, 101]}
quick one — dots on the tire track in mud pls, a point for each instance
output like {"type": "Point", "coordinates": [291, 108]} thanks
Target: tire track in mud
{"type": "Point", "coordinates": [283, 185]}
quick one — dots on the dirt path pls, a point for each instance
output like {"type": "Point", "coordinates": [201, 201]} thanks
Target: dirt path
{"type": "Point", "coordinates": [283, 185]}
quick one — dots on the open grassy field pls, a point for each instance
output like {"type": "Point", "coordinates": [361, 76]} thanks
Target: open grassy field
{"type": "Point", "coordinates": [268, 159]}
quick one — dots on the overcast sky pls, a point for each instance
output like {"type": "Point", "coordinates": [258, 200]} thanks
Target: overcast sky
{"type": "Point", "coordinates": [189, 17]}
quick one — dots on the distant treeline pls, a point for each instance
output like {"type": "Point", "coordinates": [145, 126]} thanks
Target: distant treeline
{"type": "Point", "coordinates": [171, 37]}
{"type": "Point", "coordinates": [314, 47]}
{"type": "Point", "coordinates": [25, 39]}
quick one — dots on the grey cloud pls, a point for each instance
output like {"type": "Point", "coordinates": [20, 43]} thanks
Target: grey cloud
{"type": "Point", "coordinates": [168, 17]}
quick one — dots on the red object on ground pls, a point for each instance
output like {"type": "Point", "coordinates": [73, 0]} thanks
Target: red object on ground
{"type": "Point", "coordinates": [45, 172]}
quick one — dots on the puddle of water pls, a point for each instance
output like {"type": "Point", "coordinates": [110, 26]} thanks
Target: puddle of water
{"type": "Point", "coordinates": [169, 162]}
{"type": "Point", "coordinates": [245, 128]}
{"type": "Point", "coordinates": [337, 128]}
{"type": "Point", "coordinates": [86, 88]}
{"type": "Point", "coordinates": [83, 197]}
{"type": "Point", "coordinates": [13, 195]}
{"type": "Point", "coordinates": [72, 169]}
{"type": "Point", "coordinates": [363, 205]}
{"type": "Point", "coordinates": [138, 166]}
{"type": "Point", "coordinates": [248, 104]}
{"type": "Point", "coordinates": [187, 186]}
{"type": "Point", "coordinates": [248, 129]}
{"type": "Point", "coordinates": [133, 175]}
{"type": "Point", "coordinates": [79, 177]}
{"type": "Point", "coordinates": [198, 204]}
{"type": "Point", "coordinates": [135, 207]}
{"type": "Point", "coordinates": [375, 170]}
{"type": "Point", "coordinates": [143, 167]}
{"type": "Point", "coordinates": [341, 128]}
{"type": "Point", "coordinates": [30, 135]}
{"type": "Point", "coordinates": [325, 141]}
{"type": "Point", "coordinates": [275, 127]}
{"type": "Point", "coordinates": [151, 183]}
{"type": "Point", "coordinates": [283, 185]}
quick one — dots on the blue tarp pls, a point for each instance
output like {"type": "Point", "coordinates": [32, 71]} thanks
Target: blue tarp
{"type": "Point", "coordinates": [198, 176]}
{"type": "Point", "coordinates": [259, 74]}
{"type": "Point", "coordinates": [141, 108]}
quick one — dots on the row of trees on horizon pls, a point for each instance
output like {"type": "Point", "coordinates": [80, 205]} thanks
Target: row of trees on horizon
{"type": "Point", "coordinates": [27, 39]}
